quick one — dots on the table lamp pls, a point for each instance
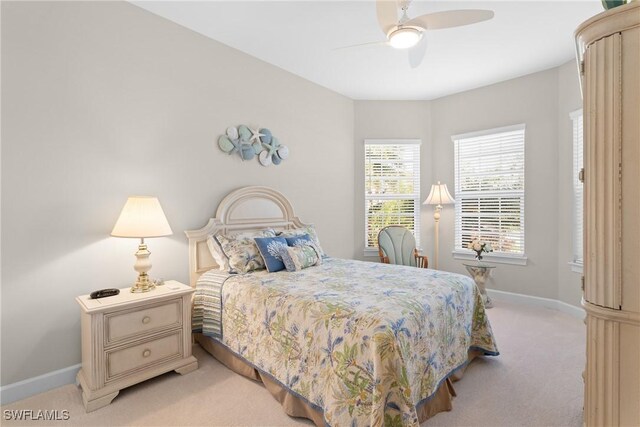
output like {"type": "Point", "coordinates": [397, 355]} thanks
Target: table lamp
{"type": "Point", "coordinates": [438, 196]}
{"type": "Point", "coordinates": [142, 217]}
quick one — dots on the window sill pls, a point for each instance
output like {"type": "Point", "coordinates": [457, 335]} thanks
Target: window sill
{"type": "Point", "coordinates": [576, 267]}
{"type": "Point", "coordinates": [371, 252]}
{"type": "Point", "coordinates": [499, 259]}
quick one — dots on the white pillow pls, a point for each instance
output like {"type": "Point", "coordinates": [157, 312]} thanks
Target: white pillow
{"type": "Point", "coordinates": [216, 252]}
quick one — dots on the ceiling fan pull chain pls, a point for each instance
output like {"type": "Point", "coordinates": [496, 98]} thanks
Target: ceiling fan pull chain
{"type": "Point", "coordinates": [405, 17]}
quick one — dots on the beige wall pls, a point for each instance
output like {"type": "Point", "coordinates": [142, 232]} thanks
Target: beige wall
{"type": "Point", "coordinates": [542, 101]}
{"type": "Point", "coordinates": [569, 100]}
{"type": "Point", "coordinates": [531, 100]}
{"type": "Point", "coordinates": [389, 120]}
{"type": "Point", "coordinates": [104, 100]}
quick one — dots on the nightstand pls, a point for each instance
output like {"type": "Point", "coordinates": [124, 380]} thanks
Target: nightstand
{"type": "Point", "coordinates": [131, 337]}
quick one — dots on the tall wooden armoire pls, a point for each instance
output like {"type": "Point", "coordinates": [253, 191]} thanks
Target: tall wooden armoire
{"type": "Point", "coordinates": [609, 58]}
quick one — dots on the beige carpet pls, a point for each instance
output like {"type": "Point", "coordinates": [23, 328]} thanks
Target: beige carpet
{"type": "Point", "coordinates": [536, 381]}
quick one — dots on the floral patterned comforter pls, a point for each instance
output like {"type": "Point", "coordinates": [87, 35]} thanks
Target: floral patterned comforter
{"type": "Point", "coordinates": [366, 342]}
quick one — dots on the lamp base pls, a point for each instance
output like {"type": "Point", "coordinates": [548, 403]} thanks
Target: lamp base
{"type": "Point", "coordinates": [436, 218]}
{"type": "Point", "coordinates": [142, 266]}
{"type": "Point", "coordinates": [143, 284]}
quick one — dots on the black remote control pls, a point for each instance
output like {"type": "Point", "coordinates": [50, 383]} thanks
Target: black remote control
{"type": "Point", "coordinates": [104, 293]}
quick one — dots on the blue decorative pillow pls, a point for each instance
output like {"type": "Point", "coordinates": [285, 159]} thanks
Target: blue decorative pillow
{"type": "Point", "coordinates": [269, 248]}
{"type": "Point", "coordinates": [310, 230]}
{"type": "Point", "coordinates": [301, 240]}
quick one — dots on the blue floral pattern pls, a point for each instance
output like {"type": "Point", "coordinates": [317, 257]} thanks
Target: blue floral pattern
{"type": "Point", "coordinates": [242, 251]}
{"type": "Point", "coordinates": [366, 342]}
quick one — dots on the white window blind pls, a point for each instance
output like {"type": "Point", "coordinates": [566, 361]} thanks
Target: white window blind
{"type": "Point", "coordinates": [392, 187]}
{"type": "Point", "coordinates": [489, 185]}
{"type": "Point", "coordinates": [577, 121]}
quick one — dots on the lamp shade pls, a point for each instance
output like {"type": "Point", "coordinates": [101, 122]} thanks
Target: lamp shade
{"type": "Point", "coordinates": [142, 216]}
{"type": "Point", "coordinates": [439, 195]}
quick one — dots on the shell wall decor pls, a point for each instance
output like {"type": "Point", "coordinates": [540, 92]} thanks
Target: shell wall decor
{"type": "Point", "coordinates": [249, 143]}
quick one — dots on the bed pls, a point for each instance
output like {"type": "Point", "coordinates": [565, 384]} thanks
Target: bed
{"type": "Point", "coordinates": [341, 343]}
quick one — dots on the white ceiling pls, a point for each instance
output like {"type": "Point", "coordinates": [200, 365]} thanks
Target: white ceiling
{"type": "Point", "coordinates": [301, 37]}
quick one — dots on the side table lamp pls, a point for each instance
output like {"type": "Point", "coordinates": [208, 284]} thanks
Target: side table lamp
{"type": "Point", "coordinates": [142, 217]}
{"type": "Point", "coordinates": [438, 196]}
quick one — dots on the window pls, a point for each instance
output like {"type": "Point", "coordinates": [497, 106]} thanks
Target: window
{"type": "Point", "coordinates": [392, 187]}
{"type": "Point", "coordinates": [576, 119]}
{"type": "Point", "coordinates": [489, 185]}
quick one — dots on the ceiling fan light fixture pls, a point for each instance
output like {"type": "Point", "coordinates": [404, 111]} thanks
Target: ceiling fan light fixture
{"type": "Point", "coordinates": [404, 38]}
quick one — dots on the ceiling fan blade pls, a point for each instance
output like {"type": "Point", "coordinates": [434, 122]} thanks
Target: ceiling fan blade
{"type": "Point", "coordinates": [387, 11]}
{"type": "Point", "coordinates": [450, 18]}
{"type": "Point", "coordinates": [417, 53]}
{"type": "Point", "coordinates": [370, 44]}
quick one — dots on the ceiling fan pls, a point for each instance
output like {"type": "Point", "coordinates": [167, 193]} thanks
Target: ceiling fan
{"type": "Point", "coordinates": [408, 33]}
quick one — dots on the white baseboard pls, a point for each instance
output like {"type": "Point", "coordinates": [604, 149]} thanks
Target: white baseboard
{"type": "Point", "coordinates": [25, 388]}
{"type": "Point", "coordinates": [572, 310]}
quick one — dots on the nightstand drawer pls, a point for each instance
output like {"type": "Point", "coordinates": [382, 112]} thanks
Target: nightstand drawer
{"type": "Point", "coordinates": [136, 357]}
{"type": "Point", "coordinates": [124, 325]}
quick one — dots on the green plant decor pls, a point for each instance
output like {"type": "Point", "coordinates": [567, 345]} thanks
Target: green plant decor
{"type": "Point", "coordinates": [610, 4]}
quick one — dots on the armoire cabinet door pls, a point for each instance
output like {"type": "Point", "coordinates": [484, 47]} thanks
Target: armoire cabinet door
{"type": "Point", "coordinates": [602, 88]}
{"type": "Point", "coordinates": [631, 170]}
{"type": "Point", "coordinates": [609, 46]}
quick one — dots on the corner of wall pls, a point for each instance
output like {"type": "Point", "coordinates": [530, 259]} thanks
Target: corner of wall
{"type": "Point", "coordinates": [569, 99]}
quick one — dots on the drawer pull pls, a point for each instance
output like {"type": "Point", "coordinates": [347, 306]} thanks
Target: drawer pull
{"type": "Point", "coordinates": [146, 353]}
{"type": "Point", "coordinates": [146, 319]}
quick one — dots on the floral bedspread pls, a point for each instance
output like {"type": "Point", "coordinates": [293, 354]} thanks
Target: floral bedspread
{"type": "Point", "coordinates": [366, 342]}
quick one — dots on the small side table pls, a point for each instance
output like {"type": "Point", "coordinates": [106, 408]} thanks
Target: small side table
{"type": "Point", "coordinates": [480, 273]}
{"type": "Point", "coordinates": [131, 337]}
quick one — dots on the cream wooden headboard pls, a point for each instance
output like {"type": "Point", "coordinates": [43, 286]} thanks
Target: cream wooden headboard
{"type": "Point", "coordinates": [245, 209]}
